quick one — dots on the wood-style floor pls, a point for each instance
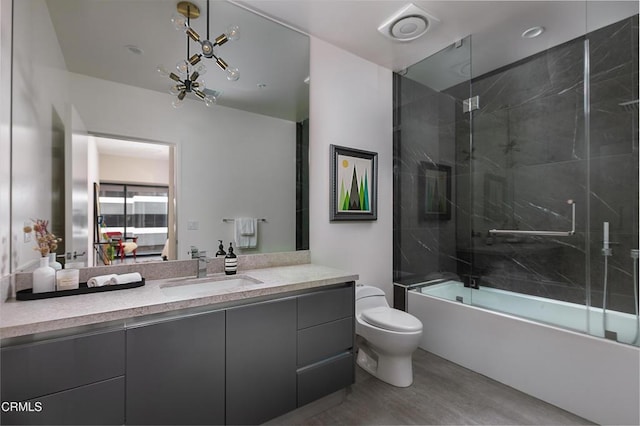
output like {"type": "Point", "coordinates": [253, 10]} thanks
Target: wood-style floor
{"type": "Point", "coordinates": [442, 393]}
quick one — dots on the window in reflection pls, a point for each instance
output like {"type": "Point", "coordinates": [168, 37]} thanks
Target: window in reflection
{"type": "Point", "coordinates": [138, 213]}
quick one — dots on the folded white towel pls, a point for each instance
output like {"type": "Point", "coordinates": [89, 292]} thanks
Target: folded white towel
{"type": "Point", "coordinates": [100, 280]}
{"type": "Point", "coordinates": [126, 278]}
{"type": "Point", "coordinates": [246, 225]}
{"type": "Point", "coordinates": [244, 240]}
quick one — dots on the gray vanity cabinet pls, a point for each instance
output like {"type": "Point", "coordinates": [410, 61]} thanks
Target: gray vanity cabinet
{"type": "Point", "coordinates": [261, 361]}
{"type": "Point", "coordinates": [325, 342]}
{"type": "Point", "coordinates": [76, 379]}
{"type": "Point", "coordinates": [176, 371]}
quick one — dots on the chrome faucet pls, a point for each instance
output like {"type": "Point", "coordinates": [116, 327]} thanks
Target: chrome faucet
{"type": "Point", "coordinates": [202, 264]}
{"type": "Point", "coordinates": [202, 260]}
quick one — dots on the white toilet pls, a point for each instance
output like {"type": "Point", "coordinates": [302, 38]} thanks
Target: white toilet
{"type": "Point", "coordinates": [390, 337]}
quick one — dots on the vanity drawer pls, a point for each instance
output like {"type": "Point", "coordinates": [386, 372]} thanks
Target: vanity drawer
{"type": "Point", "coordinates": [32, 370]}
{"type": "Point", "coordinates": [325, 306]}
{"type": "Point", "coordinates": [323, 378]}
{"type": "Point", "coordinates": [100, 403]}
{"type": "Point", "coordinates": [325, 340]}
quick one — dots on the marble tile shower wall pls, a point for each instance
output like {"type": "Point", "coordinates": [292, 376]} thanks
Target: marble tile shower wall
{"type": "Point", "coordinates": [529, 157]}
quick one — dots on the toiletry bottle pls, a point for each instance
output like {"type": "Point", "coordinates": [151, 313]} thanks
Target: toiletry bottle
{"type": "Point", "coordinates": [220, 251]}
{"type": "Point", "coordinates": [230, 262]}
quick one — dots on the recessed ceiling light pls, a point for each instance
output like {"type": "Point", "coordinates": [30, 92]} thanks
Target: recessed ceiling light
{"type": "Point", "coordinates": [134, 49]}
{"type": "Point", "coordinates": [533, 32]}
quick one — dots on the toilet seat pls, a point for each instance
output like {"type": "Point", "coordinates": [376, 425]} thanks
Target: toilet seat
{"type": "Point", "coordinates": [391, 319]}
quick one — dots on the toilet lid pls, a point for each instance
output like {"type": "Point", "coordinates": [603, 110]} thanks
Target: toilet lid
{"type": "Point", "coordinates": [391, 319]}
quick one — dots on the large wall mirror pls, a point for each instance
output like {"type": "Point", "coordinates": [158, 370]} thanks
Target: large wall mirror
{"type": "Point", "coordinates": [85, 80]}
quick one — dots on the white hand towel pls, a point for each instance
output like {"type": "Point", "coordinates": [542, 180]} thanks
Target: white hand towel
{"type": "Point", "coordinates": [100, 280]}
{"type": "Point", "coordinates": [247, 225]}
{"type": "Point", "coordinates": [133, 277]}
{"type": "Point", "coordinates": [242, 240]}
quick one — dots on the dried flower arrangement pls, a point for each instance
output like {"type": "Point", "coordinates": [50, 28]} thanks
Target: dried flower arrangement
{"type": "Point", "coordinates": [46, 241]}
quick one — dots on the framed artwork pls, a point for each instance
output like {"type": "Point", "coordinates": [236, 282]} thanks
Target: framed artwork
{"type": "Point", "coordinates": [434, 191]}
{"type": "Point", "coordinates": [354, 188]}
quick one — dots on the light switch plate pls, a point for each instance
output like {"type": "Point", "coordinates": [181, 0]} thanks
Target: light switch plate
{"type": "Point", "coordinates": [193, 225]}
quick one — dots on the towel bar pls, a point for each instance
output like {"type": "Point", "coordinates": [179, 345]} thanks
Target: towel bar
{"type": "Point", "coordinates": [543, 233]}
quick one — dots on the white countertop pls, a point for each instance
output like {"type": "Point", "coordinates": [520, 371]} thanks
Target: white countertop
{"type": "Point", "coordinates": [19, 318]}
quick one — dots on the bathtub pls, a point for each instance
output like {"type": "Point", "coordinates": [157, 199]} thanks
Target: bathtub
{"type": "Point", "coordinates": [593, 377]}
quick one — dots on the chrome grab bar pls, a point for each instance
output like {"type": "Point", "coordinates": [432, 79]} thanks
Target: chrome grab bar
{"type": "Point", "coordinates": [542, 233]}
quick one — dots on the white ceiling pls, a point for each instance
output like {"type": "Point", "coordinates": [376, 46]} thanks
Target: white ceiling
{"type": "Point", "coordinates": [93, 35]}
{"type": "Point", "coordinates": [495, 26]}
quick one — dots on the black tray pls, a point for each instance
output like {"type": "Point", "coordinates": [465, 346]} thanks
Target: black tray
{"type": "Point", "coordinates": [28, 294]}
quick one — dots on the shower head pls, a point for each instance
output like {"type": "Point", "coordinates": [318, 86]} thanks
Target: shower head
{"type": "Point", "coordinates": [630, 106]}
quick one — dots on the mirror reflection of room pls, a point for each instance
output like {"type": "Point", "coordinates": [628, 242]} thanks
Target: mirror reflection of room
{"type": "Point", "coordinates": [100, 86]}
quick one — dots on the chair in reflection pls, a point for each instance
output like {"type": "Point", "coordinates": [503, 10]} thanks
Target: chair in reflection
{"type": "Point", "coordinates": [123, 245]}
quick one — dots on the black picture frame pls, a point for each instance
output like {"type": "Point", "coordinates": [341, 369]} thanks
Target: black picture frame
{"type": "Point", "coordinates": [434, 191]}
{"type": "Point", "coordinates": [353, 169]}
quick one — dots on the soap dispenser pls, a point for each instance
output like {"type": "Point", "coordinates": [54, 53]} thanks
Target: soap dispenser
{"type": "Point", "coordinates": [230, 262]}
{"type": "Point", "coordinates": [220, 251]}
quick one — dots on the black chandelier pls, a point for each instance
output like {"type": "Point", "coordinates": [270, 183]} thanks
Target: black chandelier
{"type": "Point", "coordinates": [190, 69]}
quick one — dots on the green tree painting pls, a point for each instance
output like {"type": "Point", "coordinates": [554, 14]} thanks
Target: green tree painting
{"type": "Point", "coordinates": [354, 174]}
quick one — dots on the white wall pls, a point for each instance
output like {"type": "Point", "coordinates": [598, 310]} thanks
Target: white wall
{"type": "Point", "coordinates": [350, 105]}
{"type": "Point", "coordinates": [231, 163]}
{"type": "Point", "coordinates": [115, 168]}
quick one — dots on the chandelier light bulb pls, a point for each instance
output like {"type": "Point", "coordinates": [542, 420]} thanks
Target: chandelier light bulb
{"type": "Point", "coordinates": [162, 70]}
{"type": "Point", "coordinates": [175, 90]}
{"type": "Point", "coordinates": [233, 74]}
{"type": "Point", "coordinates": [179, 22]}
{"type": "Point", "coordinates": [200, 69]}
{"type": "Point", "coordinates": [182, 67]}
{"type": "Point", "coordinates": [233, 33]}
{"type": "Point", "coordinates": [177, 103]}
{"type": "Point", "coordinates": [209, 100]}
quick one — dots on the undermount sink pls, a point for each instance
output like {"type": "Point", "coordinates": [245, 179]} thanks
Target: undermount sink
{"type": "Point", "coordinates": [207, 286]}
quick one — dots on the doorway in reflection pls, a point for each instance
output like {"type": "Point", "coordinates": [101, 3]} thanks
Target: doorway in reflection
{"type": "Point", "coordinates": [134, 213]}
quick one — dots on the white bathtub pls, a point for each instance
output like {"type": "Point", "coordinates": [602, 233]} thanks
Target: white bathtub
{"type": "Point", "coordinates": [553, 312]}
{"type": "Point", "coordinates": [595, 378]}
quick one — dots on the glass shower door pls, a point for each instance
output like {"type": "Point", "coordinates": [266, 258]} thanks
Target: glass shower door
{"type": "Point", "coordinates": [431, 173]}
{"type": "Point", "coordinates": [529, 169]}
{"type": "Point", "coordinates": [613, 169]}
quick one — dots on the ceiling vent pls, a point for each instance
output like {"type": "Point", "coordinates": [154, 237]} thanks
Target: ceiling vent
{"type": "Point", "coordinates": [408, 24]}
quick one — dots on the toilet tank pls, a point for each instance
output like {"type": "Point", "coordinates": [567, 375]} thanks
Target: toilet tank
{"type": "Point", "coordinates": [369, 297]}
